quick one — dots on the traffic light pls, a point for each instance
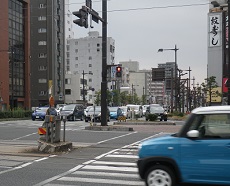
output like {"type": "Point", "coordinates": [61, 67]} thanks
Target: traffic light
{"type": "Point", "coordinates": [118, 71]}
{"type": "Point", "coordinates": [83, 15]}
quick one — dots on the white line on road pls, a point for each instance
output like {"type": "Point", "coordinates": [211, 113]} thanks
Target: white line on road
{"type": "Point", "coordinates": [111, 168]}
{"type": "Point", "coordinates": [103, 181]}
{"type": "Point", "coordinates": [121, 156]}
{"type": "Point", "coordinates": [25, 136]}
{"type": "Point", "coordinates": [115, 163]}
{"type": "Point", "coordinates": [108, 174]}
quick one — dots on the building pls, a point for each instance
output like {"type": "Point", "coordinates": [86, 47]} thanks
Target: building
{"type": "Point", "coordinates": [14, 54]}
{"type": "Point", "coordinates": [133, 66]}
{"type": "Point", "coordinates": [86, 55]}
{"type": "Point", "coordinates": [47, 55]}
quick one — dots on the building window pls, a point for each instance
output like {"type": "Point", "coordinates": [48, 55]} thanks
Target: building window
{"type": "Point", "coordinates": [67, 81]}
{"type": "Point", "coordinates": [90, 65]}
{"type": "Point", "coordinates": [98, 49]}
{"type": "Point", "coordinates": [41, 42]}
{"type": "Point", "coordinates": [76, 65]}
{"type": "Point", "coordinates": [42, 18]}
{"type": "Point", "coordinates": [42, 93]}
{"type": "Point", "coordinates": [76, 43]}
{"type": "Point", "coordinates": [42, 68]}
{"type": "Point", "coordinates": [42, 5]}
{"type": "Point", "coordinates": [42, 30]}
{"type": "Point", "coordinates": [76, 50]}
{"type": "Point", "coordinates": [90, 72]}
{"type": "Point", "coordinates": [42, 80]}
{"type": "Point", "coordinates": [42, 55]}
{"type": "Point", "coordinates": [76, 58]}
{"type": "Point", "coordinates": [67, 91]}
{"type": "Point", "coordinates": [90, 80]}
{"type": "Point", "coordinates": [98, 44]}
{"type": "Point", "coordinates": [90, 57]}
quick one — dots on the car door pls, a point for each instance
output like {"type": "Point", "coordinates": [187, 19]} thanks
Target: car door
{"type": "Point", "coordinates": [207, 158]}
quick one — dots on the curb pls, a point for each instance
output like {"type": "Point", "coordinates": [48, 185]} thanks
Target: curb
{"type": "Point", "coordinates": [54, 147]}
{"type": "Point", "coordinates": [109, 128]}
{"type": "Point", "coordinates": [144, 123]}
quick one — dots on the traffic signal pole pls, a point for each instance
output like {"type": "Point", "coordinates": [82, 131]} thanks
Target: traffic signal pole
{"type": "Point", "coordinates": [104, 65]}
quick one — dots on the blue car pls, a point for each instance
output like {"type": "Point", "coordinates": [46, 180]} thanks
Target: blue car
{"type": "Point", "coordinates": [39, 113]}
{"type": "Point", "coordinates": [198, 154]}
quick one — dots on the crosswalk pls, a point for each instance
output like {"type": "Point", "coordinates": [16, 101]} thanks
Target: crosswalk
{"type": "Point", "coordinates": [117, 167]}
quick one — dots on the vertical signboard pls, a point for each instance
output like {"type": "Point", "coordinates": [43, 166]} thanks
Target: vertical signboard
{"type": "Point", "coordinates": [215, 28]}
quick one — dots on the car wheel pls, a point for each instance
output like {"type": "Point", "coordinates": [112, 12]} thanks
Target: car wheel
{"type": "Point", "coordinates": [86, 120]}
{"type": "Point", "coordinates": [165, 119]}
{"type": "Point", "coordinates": [159, 175]}
{"type": "Point", "coordinates": [33, 119]}
{"type": "Point", "coordinates": [73, 118]}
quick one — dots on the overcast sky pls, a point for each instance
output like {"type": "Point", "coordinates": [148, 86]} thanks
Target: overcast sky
{"type": "Point", "coordinates": [138, 34]}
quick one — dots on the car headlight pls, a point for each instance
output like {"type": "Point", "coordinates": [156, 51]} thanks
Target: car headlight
{"type": "Point", "coordinates": [99, 114]}
{"type": "Point", "coordinates": [165, 113]}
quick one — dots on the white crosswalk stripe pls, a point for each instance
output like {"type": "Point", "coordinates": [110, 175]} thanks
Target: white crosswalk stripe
{"type": "Point", "coordinates": [118, 167]}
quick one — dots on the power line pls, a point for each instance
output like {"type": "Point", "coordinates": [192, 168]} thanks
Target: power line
{"type": "Point", "coordinates": [158, 7]}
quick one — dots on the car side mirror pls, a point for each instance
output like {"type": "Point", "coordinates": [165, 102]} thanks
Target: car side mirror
{"type": "Point", "coordinates": [193, 134]}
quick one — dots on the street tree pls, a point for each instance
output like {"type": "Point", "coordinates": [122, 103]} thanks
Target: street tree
{"type": "Point", "coordinates": [208, 86]}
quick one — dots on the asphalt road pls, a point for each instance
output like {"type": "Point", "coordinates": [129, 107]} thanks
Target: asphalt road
{"type": "Point", "coordinates": [98, 157]}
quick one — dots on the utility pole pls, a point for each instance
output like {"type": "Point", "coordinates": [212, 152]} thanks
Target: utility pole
{"type": "Point", "coordinates": [104, 65]}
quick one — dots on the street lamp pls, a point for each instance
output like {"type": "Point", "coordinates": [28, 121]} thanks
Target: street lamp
{"type": "Point", "coordinates": [175, 50]}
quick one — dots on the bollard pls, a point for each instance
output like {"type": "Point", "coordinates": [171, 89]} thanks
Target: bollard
{"type": "Point", "coordinates": [64, 120]}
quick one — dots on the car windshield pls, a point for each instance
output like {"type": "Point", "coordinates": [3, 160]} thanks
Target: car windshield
{"type": "Point", "coordinates": [97, 109]}
{"type": "Point", "coordinates": [68, 107]}
{"type": "Point", "coordinates": [41, 109]}
{"type": "Point", "coordinates": [156, 109]}
{"type": "Point", "coordinates": [113, 109]}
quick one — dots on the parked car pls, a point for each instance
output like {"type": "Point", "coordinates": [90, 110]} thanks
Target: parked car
{"type": "Point", "coordinates": [39, 113]}
{"type": "Point", "coordinates": [137, 109]}
{"type": "Point", "coordinates": [124, 111]}
{"type": "Point", "coordinates": [95, 113]}
{"type": "Point", "coordinates": [115, 112]}
{"type": "Point", "coordinates": [158, 110]}
{"type": "Point", "coordinates": [198, 154]}
{"type": "Point", "coordinates": [144, 109]}
{"type": "Point", "coordinates": [86, 110]}
{"type": "Point", "coordinates": [73, 112]}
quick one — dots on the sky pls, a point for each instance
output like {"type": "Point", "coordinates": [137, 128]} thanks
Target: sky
{"type": "Point", "coordinates": [141, 27]}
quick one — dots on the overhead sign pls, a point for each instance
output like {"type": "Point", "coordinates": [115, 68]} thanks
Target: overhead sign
{"type": "Point", "coordinates": [158, 74]}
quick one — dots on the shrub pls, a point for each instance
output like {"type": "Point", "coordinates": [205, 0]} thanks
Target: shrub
{"type": "Point", "coordinates": [152, 117]}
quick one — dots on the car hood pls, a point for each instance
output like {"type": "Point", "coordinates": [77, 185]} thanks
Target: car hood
{"type": "Point", "coordinates": [158, 146]}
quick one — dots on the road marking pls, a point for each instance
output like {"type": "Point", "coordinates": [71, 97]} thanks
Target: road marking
{"type": "Point", "coordinates": [109, 174]}
{"type": "Point", "coordinates": [116, 137]}
{"type": "Point", "coordinates": [121, 156]}
{"type": "Point", "coordinates": [111, 168]}
{"type": "Point", "coordinates": [114, 163]}
{"type": "Point", "coordinates": [104, 181]}
{"type": "Point", "coordinates": [58, 176]}
{"type": "Point", "coordinates": [24, 136]}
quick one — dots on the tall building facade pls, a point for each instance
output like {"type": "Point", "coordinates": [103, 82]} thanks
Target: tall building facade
{"type": "Point", "coordinates": [86, 55]}
{"type": "Point", "coordinates": [14, 54]}
{"type": "Point", "coordinates": [47, 55]}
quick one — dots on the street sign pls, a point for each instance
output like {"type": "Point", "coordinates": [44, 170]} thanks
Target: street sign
{"type": "Point", "coordinates": [113, 72]}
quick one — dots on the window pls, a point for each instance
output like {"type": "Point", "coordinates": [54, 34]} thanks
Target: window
{"type": "Point", "coordinates": [42, 93]}
{"type": "Point", "coordinates": [76, 50]}
{"type": "Point", "coordinates": [90, 65]}
{"type": "Point", "coordinates": [42, 68]}
{"type": "Point", "coordinates": [90, 80]}
{"type": "Point", "coordinates": [212, 125]}
{"type": "Point", "coordinates": [98, 49]}
{"type": "Point", "coordinates": [41, 42]}
{"type": "Point", "coordinates": [42, 55]}
{"type": "Point", "coordinates": [42, 18]}
{"type": "Point", "coordinates": [42, 80]}
{"type": "Point", "coordinates": [90, 57]}
{"type": "Point", "coordinates": [42, 5]}
{"type": "Point", "coordinates": [42, 30]}
{"type": "Point", "coordinates": [76, 43]}
{"type": "Point", "coordinates": [98, 44]}
{"type": "Point", "coordinates": [67, 81]}
{"type": "Point", "coordinates": [67, 91]}
{"type": "Point", "coordinates": [76, 58]}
